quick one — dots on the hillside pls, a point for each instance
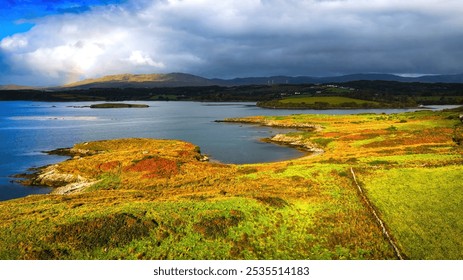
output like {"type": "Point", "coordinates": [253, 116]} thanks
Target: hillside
{"type": "Point", "coordinates": [160, 199]}
{"type": "Point", "coordinates": [173, 80]}
{"type": "Point", "coordinates": [188, 80]}
{"type": "Point", "coordinates": [384, 94]}
{"type": "Point", "coordinates": [141, 80]}
{"type": "Point", "coordinates": [15, 87]}
{"type": "Point", "coordinates": [320, 102]}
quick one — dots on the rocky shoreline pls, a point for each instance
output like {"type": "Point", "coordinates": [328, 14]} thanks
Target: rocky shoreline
{"type": "Point", "coordinates": [51, 176]}
{"type": "Point", "coordinates": [67, 183]}
{"type": "Point", "coordinates": [272, 123]}
{"type": "Point", "coordinates": [294, 141]}
{"type": "Point", "coordinates": [62, 183]}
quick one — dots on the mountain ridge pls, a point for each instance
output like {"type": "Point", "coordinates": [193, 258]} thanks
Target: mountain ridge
{"type": "Point", "coordinates": [183, 79]}
{"type": "Point", "coordinates": [189, 80]}
{"type": "Point", "coordinates": [16, 87]}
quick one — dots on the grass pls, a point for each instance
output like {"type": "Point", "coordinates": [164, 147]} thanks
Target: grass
{"type": "Point", "coordinates": [423, 207]}
{"type": "Point", "coordinates": [211, 228]}
{"type": "Point", "coordinates": [156, 199]}
{"type": "Point", "coordinates": [331, 100]}
{"type": "Point", "coordinates": [320, 102]}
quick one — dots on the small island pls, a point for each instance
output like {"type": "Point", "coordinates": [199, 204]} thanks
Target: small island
{"type": "Point", "coordinates": [117, 105]}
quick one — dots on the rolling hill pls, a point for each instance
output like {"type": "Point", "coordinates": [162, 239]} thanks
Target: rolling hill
{"type": "Point", "coordinates": [142, 80]}
{"type": "Point", "coordinates": [188, 80]}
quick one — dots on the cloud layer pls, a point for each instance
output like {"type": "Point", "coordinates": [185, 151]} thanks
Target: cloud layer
{"type": "Point", "coordinates": [236, 38]}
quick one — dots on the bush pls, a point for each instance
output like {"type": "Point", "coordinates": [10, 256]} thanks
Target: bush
{"type": "Point", "coordinates": [457, 136]}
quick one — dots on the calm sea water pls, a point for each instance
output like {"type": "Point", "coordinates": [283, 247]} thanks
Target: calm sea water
{"type": "Point", "coordinates": [29, 128]}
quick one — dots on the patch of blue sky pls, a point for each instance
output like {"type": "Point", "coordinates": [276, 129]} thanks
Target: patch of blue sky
{"type": "Point", "coordinates": [17, 16]}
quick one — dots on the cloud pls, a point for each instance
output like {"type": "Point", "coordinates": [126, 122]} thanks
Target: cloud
{"type": "Point", "coordinates": [139, 58]}
{"type": "Point", "coordinates": [233, 38]}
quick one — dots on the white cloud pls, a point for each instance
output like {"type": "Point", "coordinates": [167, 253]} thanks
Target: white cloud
{"type": "Point", "coordinates": [14, 42]}
{"type": "Point", "coordinates": [239, 38]}
{"type": "Point", "coordinates": [143, 59]}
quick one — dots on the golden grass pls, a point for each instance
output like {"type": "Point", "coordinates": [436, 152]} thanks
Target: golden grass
{"type": "Point", "coordinates": [155, 199]}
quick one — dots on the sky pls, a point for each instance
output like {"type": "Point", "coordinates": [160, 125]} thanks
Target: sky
{"type": "Point", "coordinates": [53, 42]}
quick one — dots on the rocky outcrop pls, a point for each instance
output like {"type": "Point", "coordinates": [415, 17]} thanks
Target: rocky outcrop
{"type": "Point", "coordinates": [296, 141]}
{"type": "Point", "coordinates": [273, 123]}
{"type": "Point", "coordinates": [63, 183]}
{"type": "Point", "coordinates": [74, 152]}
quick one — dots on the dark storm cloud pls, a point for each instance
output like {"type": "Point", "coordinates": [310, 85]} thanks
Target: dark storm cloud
{"type": "Point", "coordinates": [245, 38]}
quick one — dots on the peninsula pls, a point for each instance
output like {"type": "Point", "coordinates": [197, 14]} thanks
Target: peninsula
{"type": "Point", "coordinates": [160, 199]}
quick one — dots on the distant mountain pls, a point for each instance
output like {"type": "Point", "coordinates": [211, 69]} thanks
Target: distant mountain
{"type": "Point", "coordinates": [188, 80]}
{"type": "Point", "coordinates": [142, 81]}
{"type": "Point", "coordinates": [311, 80]}
{"type": "Point", "coordinates": [15, 87]}
{"type": "Point", "coordinates": [347, 78]}
{"type": "Point", "coordinates": [181, 79]}
{"type": "Point", "coordinates": [458, 78]}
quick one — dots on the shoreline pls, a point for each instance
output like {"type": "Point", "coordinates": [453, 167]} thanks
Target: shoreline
{"type": "Point", "coordinates": [270, 123]}
{"type": "Point", "coordinates": [155, 197]}
{"type": "Point", "coordinates": [48, 176]}
{"type": "Point", "coordinates": [309, 148]}
{"type": "Point", "coordinates": [339, 108]}
{"type": "Point", "coordinates": [45, 176]}
{"type": "Point", "coordinates": [64, 183]}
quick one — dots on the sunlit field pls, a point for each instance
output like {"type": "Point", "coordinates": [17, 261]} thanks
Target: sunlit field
{"type": "Point", "coordinates": [159, 199]}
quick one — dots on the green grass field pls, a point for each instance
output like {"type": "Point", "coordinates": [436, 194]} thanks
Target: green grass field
{"type": "Point", "coordinates": [331, 100]}
{"type": "Point", "coordinates": [320, 102]}
{"type": "Point", "coordinates": [423, 207]}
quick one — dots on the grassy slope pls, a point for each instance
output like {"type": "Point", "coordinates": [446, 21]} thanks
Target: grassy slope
{"type": "Point", "coordinates": [424, 208]}
{"type": "Point", "coordinates": [410, 168]}
{"type": "Point", "coordinates": [320, 102]}
{"type": "Point", "coordinates": [331, 100]}
{"type": "Point", "coordinates": [155, 200]}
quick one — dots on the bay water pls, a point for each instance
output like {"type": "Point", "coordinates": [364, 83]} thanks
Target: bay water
{"type": "Point", "coordinates": [27, 129]}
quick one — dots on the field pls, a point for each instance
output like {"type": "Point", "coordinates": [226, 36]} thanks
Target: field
{"type": "Point", "coordinates": [320, 102]}
{"type": "Point", "coordinates": [159, 199]}
{"type": "Point", "coordinates": [332, 100]}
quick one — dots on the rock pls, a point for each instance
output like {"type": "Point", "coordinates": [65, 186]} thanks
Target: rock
{"type": "Point", "coordinates": [203, 158]}
{"type": "Point", "coordinates": [296, 141]}
{"type": "Point", "coordinates": [73, 152]}
{"type": "Point", "coordinates": [63, 182]}
{"type": "Point", "coordinates": [72, 188]}
{"type": "Point", "coordinates": [273, 123]}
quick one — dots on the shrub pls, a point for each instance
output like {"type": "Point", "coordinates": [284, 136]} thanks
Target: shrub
{"type": "Point", "coordinates": [273, 201]}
